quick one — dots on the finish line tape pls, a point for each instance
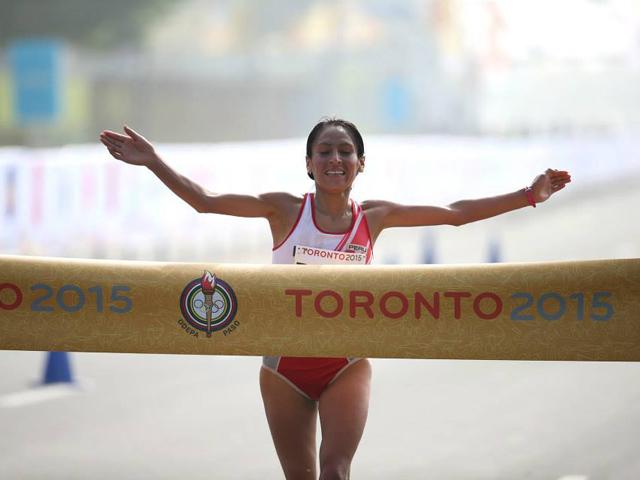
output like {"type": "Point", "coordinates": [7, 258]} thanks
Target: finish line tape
{"type": "Point", "coordinates": [586, 310]}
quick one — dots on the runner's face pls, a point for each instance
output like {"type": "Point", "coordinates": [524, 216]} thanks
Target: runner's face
{"type": "Point", "coordinates": [334, 161]}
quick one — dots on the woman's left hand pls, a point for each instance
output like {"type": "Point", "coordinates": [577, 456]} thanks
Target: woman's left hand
{"type": "Point", "coordinates": [547, 184]}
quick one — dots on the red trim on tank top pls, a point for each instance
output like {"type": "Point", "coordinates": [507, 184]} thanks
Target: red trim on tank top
{"type": "Point", "coordinates": [313, 217]}
{"type": "Point", "coordinates": [304, 202]}
{"type": "Point", "coordinates": [366, 224]}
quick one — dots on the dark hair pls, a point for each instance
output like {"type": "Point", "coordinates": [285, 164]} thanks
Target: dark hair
{"type": "Point", "coordinates": [351, 129]}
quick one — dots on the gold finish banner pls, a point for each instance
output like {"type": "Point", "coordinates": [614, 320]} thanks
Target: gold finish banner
{"type": "Point", "coordinates": [587, 310]}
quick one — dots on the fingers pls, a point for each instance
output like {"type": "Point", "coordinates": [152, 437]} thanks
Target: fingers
{"type": "Point", "coordinates": [132, 133]}
{"type": "Point", "coordinates": [559, 184]}
{"type": "Point", "coordinates": [113, 142]}
{"type": "Point", "coordinates": [107, 143]}
{"type": "Point", "coordinates": [110, 142]}
{"type": "Point", "coordinates": [114, 135]}
{"type": "Point", "coordinates": [114, 149]}
{"type": "Point", "coordinates": [558, 177]}
{"type": "Point", "coordinates": [557, 173]}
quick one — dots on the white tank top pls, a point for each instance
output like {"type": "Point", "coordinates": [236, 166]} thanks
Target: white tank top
{"type": "Point", "coordinates": [308, 244]}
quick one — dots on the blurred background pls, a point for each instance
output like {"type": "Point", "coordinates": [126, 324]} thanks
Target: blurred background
{"type": "Point", "coordinates": [455, 99]}
{"type": "Point", "coordinates": [227, 70]}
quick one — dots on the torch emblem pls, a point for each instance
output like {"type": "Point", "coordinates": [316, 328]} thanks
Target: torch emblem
{"type": "Point", "coordinates": [208, 285]}
{"type": "Point", "coordinates": [208, 303]}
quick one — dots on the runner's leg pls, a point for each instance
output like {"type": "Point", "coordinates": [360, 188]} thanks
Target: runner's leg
{"type": "Point", "coordinates": [292, 420]}
{"type": "Point", "coordinates": [343, 408]}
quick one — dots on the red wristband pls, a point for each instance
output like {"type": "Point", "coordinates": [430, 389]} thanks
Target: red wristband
{"type": "Point", "coordinates": [529, 193]}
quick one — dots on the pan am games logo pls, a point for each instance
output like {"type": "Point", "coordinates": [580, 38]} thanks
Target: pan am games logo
{"type": "Point", "coordinates": [208, 304]}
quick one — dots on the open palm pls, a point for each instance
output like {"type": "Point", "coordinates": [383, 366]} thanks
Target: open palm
{"type": "Point", "coordinates": [131, 148]}
{"type": "Point", "coordinates": [549, 183]}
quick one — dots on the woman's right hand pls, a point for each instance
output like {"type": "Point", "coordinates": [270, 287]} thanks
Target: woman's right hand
{"type": "Point", "coordinates": [131, 148]}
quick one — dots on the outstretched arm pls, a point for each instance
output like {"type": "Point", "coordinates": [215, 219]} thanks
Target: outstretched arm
{"type": "Point", "coordinates": [134, 149]}
{"type": "Point", "coordinates": [387, 214]}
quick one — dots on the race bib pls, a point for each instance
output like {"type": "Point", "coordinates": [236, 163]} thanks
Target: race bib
{"type": "Point", "coordinates": [320, 256]}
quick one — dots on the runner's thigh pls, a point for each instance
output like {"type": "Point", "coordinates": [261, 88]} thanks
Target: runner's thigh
{"type": "Point", "coordinates": [292, 420]}
{"type": "Point", "coordinates": [343, 413]}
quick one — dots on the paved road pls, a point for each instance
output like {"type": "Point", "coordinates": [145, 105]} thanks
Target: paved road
{"type": "Point", "coordinates": [154, 416]}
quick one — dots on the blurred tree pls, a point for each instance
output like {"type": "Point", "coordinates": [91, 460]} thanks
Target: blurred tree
{"type": "Point", "coordinates": [90, 23]}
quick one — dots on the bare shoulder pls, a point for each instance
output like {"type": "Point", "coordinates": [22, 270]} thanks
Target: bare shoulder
{"type": "Point", "coordinates": [282, 204]}
{"type": "Point", "coordinates": [283, 200]}
{"type": "Point", "coordinates": [377, 208]}
{"type": "Point", "coordinates": [376, 205]}
{"type": "Point", "coordinates": [285, 207]}
{"type": "Point", "coordinates": [376, 211]}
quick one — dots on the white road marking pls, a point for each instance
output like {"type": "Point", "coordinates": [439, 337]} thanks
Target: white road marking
{"type": "Point", "coordinates": [39, 394]}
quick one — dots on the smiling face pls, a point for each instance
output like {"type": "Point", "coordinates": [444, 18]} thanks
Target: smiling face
{"type": "Point", "coordinates": [334, 161]}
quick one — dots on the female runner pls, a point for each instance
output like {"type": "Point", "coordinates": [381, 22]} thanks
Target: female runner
{"type": "Point", "coordinates": [296, 390]}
